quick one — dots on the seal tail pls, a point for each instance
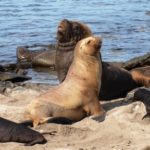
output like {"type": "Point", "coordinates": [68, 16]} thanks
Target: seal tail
{"type": "Point", "coordinates": [60, 120]}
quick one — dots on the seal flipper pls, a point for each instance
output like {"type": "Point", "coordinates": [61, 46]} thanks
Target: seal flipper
{"type": "Point", "coordinates": [27, 123]}
{"type": "Point", "coordinates": [60, 120]}
{"type": "Point", "coordinates": [147, 116]}
{"type": "Point", "coordinates": [57, 120]}
{"type": "Point", "coordinates": [38, 141]}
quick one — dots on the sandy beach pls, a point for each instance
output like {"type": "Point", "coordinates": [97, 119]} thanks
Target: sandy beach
{"type": "Point", "coordinates": [123, 128]}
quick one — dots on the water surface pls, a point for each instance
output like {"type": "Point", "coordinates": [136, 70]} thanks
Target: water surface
{"type": "Point", "coordinates": [123, 24]}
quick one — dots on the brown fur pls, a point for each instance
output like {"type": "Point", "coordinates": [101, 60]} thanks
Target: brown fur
{"type": "Point", "coordinates": [116, 82]}
{"type": "Point", "coordinates": [68, 34]}
{"type": "Point", "coordinates": [77, 96]}
{"type": "Point", "coordinates": [142, 76]}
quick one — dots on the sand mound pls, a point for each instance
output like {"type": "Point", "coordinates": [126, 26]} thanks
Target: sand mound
{"type": "Point", "coordinates": [122, 129]}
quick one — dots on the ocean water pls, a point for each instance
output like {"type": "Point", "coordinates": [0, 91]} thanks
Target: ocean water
{"type": "Point", "coordinates": [124, 26]}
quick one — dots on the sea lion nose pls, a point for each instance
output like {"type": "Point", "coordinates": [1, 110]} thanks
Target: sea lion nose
{"type": "Point", "coordinates": [98, 39]}
{"type": "Point", "coordinates": [60, 29]}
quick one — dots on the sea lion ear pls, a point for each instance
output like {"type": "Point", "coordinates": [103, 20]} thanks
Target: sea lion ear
{"type": "Point", "coordinates": [88, 42]}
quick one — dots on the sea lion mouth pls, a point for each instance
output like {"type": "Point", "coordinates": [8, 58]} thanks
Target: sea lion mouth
{"type": "Point", "coordinates": [98, 46]}
{"type": "Point", "coordinates": [60, 33]}
{"type": "Point", "coordinates": [64, 31]}
{"type": "Point", "coordinates": [98, 42]}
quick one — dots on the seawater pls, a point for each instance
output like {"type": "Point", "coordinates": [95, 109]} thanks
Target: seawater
{"type": "Point", "coordinates": [124, 26]}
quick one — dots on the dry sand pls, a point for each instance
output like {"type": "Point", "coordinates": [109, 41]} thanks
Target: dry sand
{"type": "Point", "coordinates": [122, 129]}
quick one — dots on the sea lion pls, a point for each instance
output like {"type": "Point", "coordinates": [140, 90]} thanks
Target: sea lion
{"type": "Point", "coordinates": [41, 58]}
{"type": "Point", "coordinates": [77, 96]}
{"type": "Point", "coordinates": [68, 34]}
{"type": "Point", "coordinates": [116, 81]}
{"type": "Point", "coordinates": [13, 132]}
{"type": "Point", "coordinates": [143, 95]}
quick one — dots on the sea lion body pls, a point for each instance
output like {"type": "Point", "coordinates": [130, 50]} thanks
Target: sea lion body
{"type": "Point", "coordinates": [44, 57]}
{"type": "Point", "coordinates": [77, 96]}
{"type": "Point", "coordinates": [13, 132]}
{"type": "Point", "coordinates": [116, 81]}
{"type": "Point", "coordinates": [68, 34]}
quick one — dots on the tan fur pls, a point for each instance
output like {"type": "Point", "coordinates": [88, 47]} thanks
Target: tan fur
{"type": "Point", "coordinates": [142, 76]}
{"type": "Point", "coordinates": [77, 96]}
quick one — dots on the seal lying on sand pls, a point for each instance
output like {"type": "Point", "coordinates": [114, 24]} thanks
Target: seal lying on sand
{"type": "Point", "coordinates": [13, 132]}
{"type": "Point", "coordinates": [43, 57]}
{"type": "Point", "coordinates": [77, 96]}
{"type": "Point", "coordinates": [143, 95]}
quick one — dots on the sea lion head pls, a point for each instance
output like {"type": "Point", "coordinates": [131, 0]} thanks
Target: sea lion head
{"type": "Point", "coordinates": [88, 46]}
{"type": "Point", "coordinates": [23, 54]}
{"type": "Point", "coordinates": [72, 31]}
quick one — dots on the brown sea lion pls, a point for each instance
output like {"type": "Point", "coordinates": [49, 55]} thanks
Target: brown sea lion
{"type": "Point", "coordinates": [143, 95]}
{"type": "Point", "coordinates": [77, 96]}
{"type": "Point", "coordinates": [41, 58]}
{"type": "Point", "coordinates": [116, 81]}
{"type": "Point", "coordinates": [13, 132]}
{"type": "Point", "coordinates": [68, 34]}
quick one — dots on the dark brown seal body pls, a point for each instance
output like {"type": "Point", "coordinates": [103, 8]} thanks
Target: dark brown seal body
{"type": "Point", "coordinates": [68, 34]}
{"type": "Point", "coordinates": [116, 82]}
{"type": "Point", "coordinates": [77, 96]}
{"type": "Point", "coordinates": [143, 95]}
{"type": "Point", "coordinates": [13, 132]}
{"type": "Point", "coordinates": [41, 58]}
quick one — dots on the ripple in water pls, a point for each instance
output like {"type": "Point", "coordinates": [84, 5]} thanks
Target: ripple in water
{"type": "Point", "coordinates": [124, 25]}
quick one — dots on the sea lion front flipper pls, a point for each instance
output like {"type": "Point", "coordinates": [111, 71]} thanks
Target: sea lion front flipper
{"type": "Point", "coordinates": [27, 123]}
{"type": "Point", "coordinates": [95, 110]}
{"type": "Point", "coordinates": [60, 120]}
{"type": "Point", "coordinates": [37, 141]}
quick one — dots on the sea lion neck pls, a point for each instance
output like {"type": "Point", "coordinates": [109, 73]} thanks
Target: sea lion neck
{"type": "Point", "coordinates": [66, 46]}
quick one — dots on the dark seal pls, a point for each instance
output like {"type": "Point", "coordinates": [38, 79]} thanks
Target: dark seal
{"type": "Point", "coordinates": [68, 34]}
{"type": "Point", "coordinates": [13, 132]}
